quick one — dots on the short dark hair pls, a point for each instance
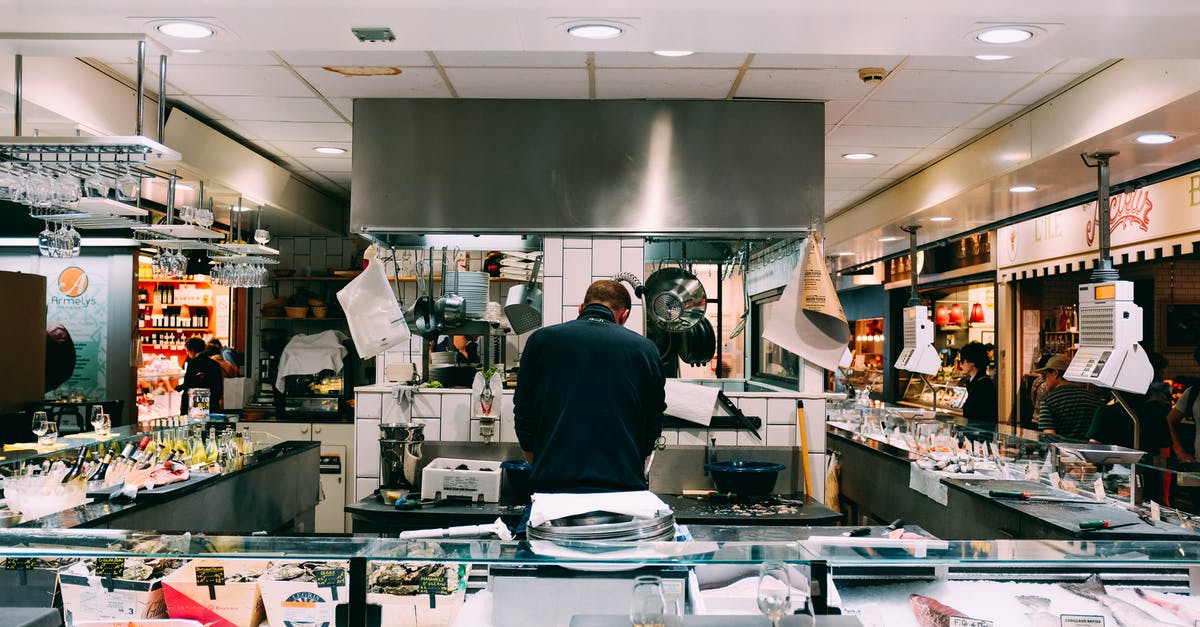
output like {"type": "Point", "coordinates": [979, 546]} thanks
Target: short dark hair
{"type": "Point", "coordinates": [195, 345]}
{"type": "Point", "coordinates": [975, 353]}
{"type": "Point", "coordinates": [611, 294]}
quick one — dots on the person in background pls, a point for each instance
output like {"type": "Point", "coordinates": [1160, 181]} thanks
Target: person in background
{"type": "Point", "coordinates": [214, 352]}
{"type": "Point", "coordinates": [981, 407]}
{"type": "Point", "coordinates": [1067, 409]}
{"type": "Point", "coordinates": [590, 399]}
{"type": "Point", "coordinates": [200, 371]}
{"type": "Point", "coordinates": [466, 348]}
{"type": "Point", "coordinates": [1185, 411]}
{"type": "Point", "coordinates": [1113, 425]}
{"type": "Point", "coordinates": [1038, 389]}
{"type": "Point", "coordinates": [1159, 388]}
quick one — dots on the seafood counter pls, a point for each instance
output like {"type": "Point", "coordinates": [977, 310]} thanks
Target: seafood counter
{"type": "Point", "coordinates": [986, 485]}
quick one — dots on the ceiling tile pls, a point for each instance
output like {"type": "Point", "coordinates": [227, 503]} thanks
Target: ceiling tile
{"type": "Point", "coordinates": [1044, 86]}
{"type": "Point", "coordinates": [971, 64]}
{"type": "Point", "coordinates": [270, 109]}
{"type": "Point", "coordinates": [954, 138]}
{"type": "Point", "coordinates": [345, 105]}
{"type": "Point", "coordinates": [412, 83]}
{"type": "Point", "coordinates": [236, 80]}
{"type": "Point", "coordinates": [450, 58]}
{"type": "Point", "coordinates": [325, 164]}
{"type": "Point", "coordinates": [216, 58]}
{"type": "Point", "coordinates": [900, 113]}
{"type": "Point", "coordinates": [519, 82]}
{"type": "Point", "coordinates": [826, 61]}
{"type": "Point", "coordinates": [401, 58]}
{"type": "Point", "coordinates": [648, 59]}
{"type": "Point", "coordinates": [845, 184]}
{"type": "Point", "coordinates": [1079, 66]}
{"type": "Point", "coordinates": [835, 110]}
{"type": "Point", "coordinates": [803, 84]}
{"type": "Point", "coordinates": [891, 156]}
{"type": "Point", "coordinates": [884, 136]}
{"type": "Point", "coordinates": [926, 85]}
{"type": "Point", "coordinates": [194, 104]}
{"type": "Point", "coordinates": [664, 83]}
{"type": "Point", "coordinates": [993, 116]}
{"type": "Point", "coordinates": [296, 131]}
{"type": "Point", "coordinates": [849, 169]}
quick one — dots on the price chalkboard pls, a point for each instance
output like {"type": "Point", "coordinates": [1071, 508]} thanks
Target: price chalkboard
{"type": "Point", "coordinates": [210, 576]}
{"type": "Point", "coordinates": [20, 563]}
{"type": "Point", "coordinates": [432, 584]}
{"type": "Point", "coordinates": [330, 578]}
{"type": "Point", "coordinates": [110, 566]}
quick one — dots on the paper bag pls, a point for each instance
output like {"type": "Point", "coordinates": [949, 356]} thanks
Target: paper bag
{"type": "Point", "coordinates": [372, 311]}
{"type": "Point", "coordinates": [811, 323]}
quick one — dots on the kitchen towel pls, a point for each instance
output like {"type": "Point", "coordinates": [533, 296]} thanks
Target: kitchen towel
{"type": "Point", "coordinates": [552, 506]}
{"type": "Point", "coordinates": [691, 402]}
{"type": "Point", "coordinates": [310, 354]}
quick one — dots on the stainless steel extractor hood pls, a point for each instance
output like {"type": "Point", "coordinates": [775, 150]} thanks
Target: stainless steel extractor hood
{"type": "Point", "coordinates": [561, 166]}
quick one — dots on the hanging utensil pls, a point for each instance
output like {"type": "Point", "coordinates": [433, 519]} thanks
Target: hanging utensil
{"type": "Point", "coordinates": [523, 306]}
{"type": "Point", "coordinates": [426, 323]}
{"type": "Point", "coordinates": [675, 299]}
{"type": "Point", "coordinates": [451, 308]}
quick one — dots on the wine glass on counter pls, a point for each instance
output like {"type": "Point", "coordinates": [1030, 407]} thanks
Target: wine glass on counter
{"type": "Point", "coordinates": [774, 591]}
{"type": "Point", "coordinates": [39, 423]}
{"type": "Point", "coordinates": [50, 434]}
{"type": "Point", "coordinates": [647, 608]}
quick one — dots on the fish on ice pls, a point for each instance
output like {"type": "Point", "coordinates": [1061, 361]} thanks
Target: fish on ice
{"type": "Point", "coordinates": [1039, 611]}
{"type": "Point", "coordinates": [1125, 613]}
{"type": "Point", "coordinates": [932, 613]}
{"type": "Point", "coordinates": [1164, 601]}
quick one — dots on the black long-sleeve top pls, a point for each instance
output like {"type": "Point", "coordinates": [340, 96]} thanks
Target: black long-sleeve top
{"type": "Point", "coordinates": [589, 404]}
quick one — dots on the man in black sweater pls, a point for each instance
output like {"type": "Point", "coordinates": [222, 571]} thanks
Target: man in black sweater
{"type": "Point", "coordinates": [589, 401]}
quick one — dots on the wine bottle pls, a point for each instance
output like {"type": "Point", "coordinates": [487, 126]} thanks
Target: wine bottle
{"type": "Point", "coordinates": [77, 468]}
{"type": "Point", "coordinates": [102, 470]}
{"type": "Point", "coordinates": [136, 456]}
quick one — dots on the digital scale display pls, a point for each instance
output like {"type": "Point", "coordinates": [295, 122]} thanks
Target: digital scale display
{"type": "Point", "coordinates": [1106, 291]}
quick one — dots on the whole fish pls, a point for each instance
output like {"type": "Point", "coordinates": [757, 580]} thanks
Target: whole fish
{"type": "Point", "coordinates": [1181, 611]}
{"type": "Point", "coordinates": [1039, 611]}
{"type": "Point", "coordinates": [931, 612]}
{"type": "Point", "coordinates": [1126, 614]}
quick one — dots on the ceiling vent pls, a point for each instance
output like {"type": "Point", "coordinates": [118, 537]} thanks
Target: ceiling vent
{"type": "Point", "coordinates": [370, 35]}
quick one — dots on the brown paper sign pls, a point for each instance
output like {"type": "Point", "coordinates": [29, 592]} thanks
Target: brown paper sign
{"type": "Point", "coordinates": [819, 301]}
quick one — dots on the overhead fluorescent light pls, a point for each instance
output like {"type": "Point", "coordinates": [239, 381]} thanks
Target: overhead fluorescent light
{"type": "Point", "coordinates": [1003, 35]}
{"type": "Point", "coordinates": [846, 254]}
{"type": "Point", "coordinates": [859, 156]}
{"type": "Point", "coordinates": [189, 51]}
{"type": "Point", "coordinates": [940, 219]}
{"type": "Point", "coordinates": [330, 150]}
{"type": "Point", "coordinates": [1022, 189]}
{"type": "Point", "coordinates": [186, 30]}
{"type": "Point", "coordinates": [889, 238]}
{"type": "Point", "coordinates": [240, 208]}
{"type": "Point", "coordinates": [595, 30]}
{"type": "Point", "coordinates": [1155, 138]}
{"type": "Point", "coordinates": [674, 53]}
{"type": "Point", "coordinates": [993, 57]}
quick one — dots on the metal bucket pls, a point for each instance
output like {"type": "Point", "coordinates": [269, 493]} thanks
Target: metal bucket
{"type": "Point", "coordinates": [399, 453]}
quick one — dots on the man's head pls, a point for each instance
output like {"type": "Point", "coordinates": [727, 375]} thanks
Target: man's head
{"type": "Point", "coordinates": [1053, 371]}
{"type": "Point", "coordinates": [194, 346]}
{"type": "Point", "coordinates": [974, 357]}
{"type": "Point", "coordinates": [611, 294]}
{"type": "Point", "coordinates": [213, 348]}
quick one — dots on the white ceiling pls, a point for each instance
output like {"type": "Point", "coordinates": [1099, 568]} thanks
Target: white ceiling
{"type": "Point", "coordinates": [262, 76]}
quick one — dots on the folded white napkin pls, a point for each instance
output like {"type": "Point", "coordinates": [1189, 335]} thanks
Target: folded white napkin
{"type": "Point", "coordinates": [640, 504]}
{"type": "Point", "coordinates": [691, 402]}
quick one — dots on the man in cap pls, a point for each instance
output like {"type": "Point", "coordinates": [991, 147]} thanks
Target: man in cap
{"type": "Point", "coordinates": [1068, 407]}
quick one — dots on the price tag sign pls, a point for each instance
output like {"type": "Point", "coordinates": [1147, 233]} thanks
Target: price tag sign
{"type": "Point", "coordinates": [330, 578]}
{"type": "Point", "coordinates": [433, 584]}
{"type": "Point", "coordinates": [1155, 511]}
{"type": "Point", "coordinates": [1080, 620]}
{"type": "Point", "coordinates": [211, 577]}
{"type": "Point", "coordinates": [1098, 488]}
{"type": "Point", "coordinates": [20, 563]}
{"type": "Point", "coordinates": [960, 621]}
{"type": "Point", "coordinates": [110, 567]}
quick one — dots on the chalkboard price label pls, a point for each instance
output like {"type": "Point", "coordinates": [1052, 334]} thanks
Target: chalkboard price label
{"type": "Point", "coordinates": [433, 584]}
{"type": "Point", "coordinates": [110, 567]}
{"type": "Point", "coordinates": [330, 578]}
{"type": "Point", "coordinates": [20, 563]}
{"type": "Point", "coordinates": [210, 576]}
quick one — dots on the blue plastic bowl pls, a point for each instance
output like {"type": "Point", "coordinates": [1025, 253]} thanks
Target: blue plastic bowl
{"type": "Point", "coordinates": [743, 477]}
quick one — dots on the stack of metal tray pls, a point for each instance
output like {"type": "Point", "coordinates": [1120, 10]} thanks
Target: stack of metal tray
{"type": "Point", "coordinates": [606, 526]}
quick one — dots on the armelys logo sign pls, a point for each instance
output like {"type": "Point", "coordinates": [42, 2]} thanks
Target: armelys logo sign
{"type": "Point", "coordinates": [1124, 210]}
{"type": "Point", "coordinates": [73, 281]}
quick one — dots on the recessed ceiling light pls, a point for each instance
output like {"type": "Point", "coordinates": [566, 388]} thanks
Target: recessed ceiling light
{"type": "Point", "coordinates": [189, 51]}
{"type": "Point", "coordinates": [330, 150]}
{"type": "Point", "coordinates": [239, 208]}
{"type": "Point", "coordinates": [889, 238]}
{"type": "Point", "coordinates": [595, 31]}
{"type": "Point", "coordinates": [186, 30]}
{"type": "Point", "coordinates": [993, 57]}
{"type": "Point", "coordinates": [940, 219]}
{"type": "Point", "coordinates": [846, 254]}
{"type": "Point", "coordinates": [674, 53]}
{"type": "Point", "coordinates": [1005, 35]}
{"type": "Point", "coordinates": [1155, 138]}
{"type": "Point", "coordinates": [1022, 189]}
{"type": "Point", "coordinates": [859, 156]}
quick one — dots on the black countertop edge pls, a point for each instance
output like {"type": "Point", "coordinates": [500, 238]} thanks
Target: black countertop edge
{"type": "Point", "coordinates": [98, 512]}
{"type": "Point", "coordinates": [314, 418]}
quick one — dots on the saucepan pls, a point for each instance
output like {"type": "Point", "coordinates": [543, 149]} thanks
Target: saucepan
{"type": "Point", "coordinates": [451, 307]}
{"type": "Point", "coordinates": [675, 299]}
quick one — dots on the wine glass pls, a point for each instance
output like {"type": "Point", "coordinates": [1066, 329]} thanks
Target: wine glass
{"type": "Point", "coordinates": [262, 236]}
{"type": "Point", "coordinates": [127, 185]}
{"type": "Point", "coordinates": [46, 241]}
{"type": "Point", "coordinates": [774, 591]}
{"type": "Point", "coordinates": [95, 184]}
{"type": "Point", "coordinates": [50, 436]}
{"type": "Point", "coordinates": [39, 423]}
{"type": "Point", "coordinates": [647, 609]}
{"type": "Point", "coordinates": [101, 421]}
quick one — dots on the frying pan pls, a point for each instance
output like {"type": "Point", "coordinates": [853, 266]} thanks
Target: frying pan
{"type": "Point", "coordinates": [426, 323]}
{"type": "Point", "coordinates": [700, 343]}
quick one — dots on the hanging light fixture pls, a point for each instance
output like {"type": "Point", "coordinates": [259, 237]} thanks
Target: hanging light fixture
{"type": "Point", "coordinates": [977, 313]}
{"type": "Point", "coordinates": [956, 314]}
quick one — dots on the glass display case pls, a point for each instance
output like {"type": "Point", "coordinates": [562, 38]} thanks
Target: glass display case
{"type": "Point", "coordinates": [106, 575]}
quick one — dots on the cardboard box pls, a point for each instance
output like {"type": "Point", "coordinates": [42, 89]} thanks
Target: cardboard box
{"type": "Point", "coordinates": [92, 598]}
{"type": "Point", "coordinates": [432, 594]}
{"type": "Point", "coordinates": [28, 582]}
{"type": "Point", "coordinates": [306, 602]}
{"type": "Point", "coordinates": [203, 591]}
{"type": "Point", "coordinates": [414, 611]}
{"type": "Point", "coordinates": [442, 479]}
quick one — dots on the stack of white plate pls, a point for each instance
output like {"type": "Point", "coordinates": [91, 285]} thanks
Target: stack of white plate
{"type": "Point", "coordinates": [472, 286]}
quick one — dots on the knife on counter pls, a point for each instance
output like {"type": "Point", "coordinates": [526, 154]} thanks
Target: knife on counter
{"type": "Point", "coordinates": [1025, 496]}
{"type": "Point", "coordinates": [1096, 525]}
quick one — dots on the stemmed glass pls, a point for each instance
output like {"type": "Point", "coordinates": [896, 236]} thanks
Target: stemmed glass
{"type": "Point", "coordinates": [203, 217]}
{"type": "Point", "coordinates": [95, 184]}
{"type": "Point", "coordinates": [102, 423]}
{"type": "Point", "coordinates": [774, 591]}
{"type": "Point", "coordinates": [647, 609]}
{"type": "Point", "coordinates": [50, 436]}
{"type": "Point", "coordinates": [127, 185]}
{"type": "Point", "coordinates": [262, 236]}
{"type": "Point", "coordinates": [46, 246]}
{"type": "Point", "coordinates": [39, 423]}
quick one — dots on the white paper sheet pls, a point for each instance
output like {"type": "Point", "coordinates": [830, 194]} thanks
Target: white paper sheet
{"type": "Point", "coordinates": [811, 336]}
{"type": "Point", "coordinates": [691, 402]}
{"type": "Point", "coordinates": [641, 503]}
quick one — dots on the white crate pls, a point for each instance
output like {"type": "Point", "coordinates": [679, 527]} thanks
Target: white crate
{"type": "Point", "coordinates": [479, 482]}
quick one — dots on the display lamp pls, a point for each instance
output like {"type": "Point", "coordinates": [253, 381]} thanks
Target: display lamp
{"type": "Point", "coordinates": [977, 316]}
